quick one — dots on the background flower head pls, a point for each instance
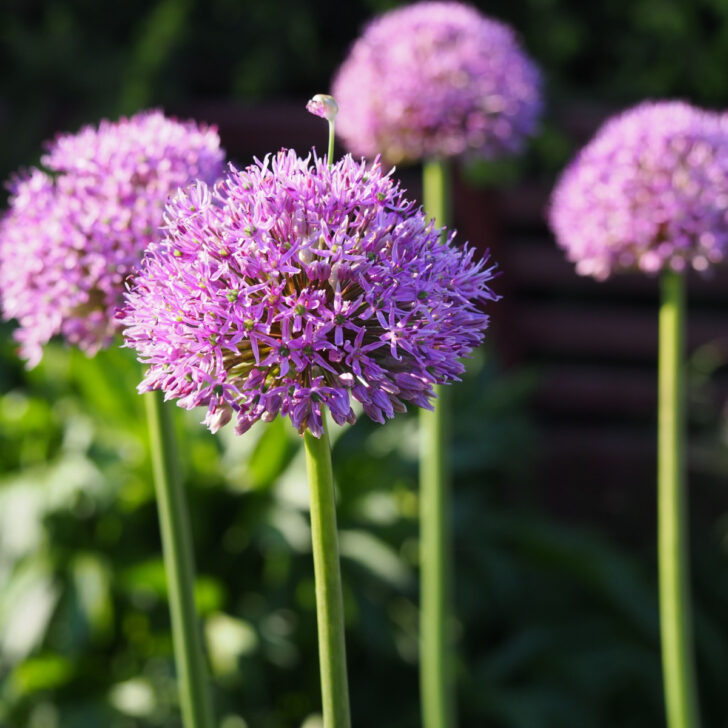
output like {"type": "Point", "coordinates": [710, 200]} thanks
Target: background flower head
{"type": "Point", "coordinates": [293, 286]}
{"type": "Point", "coordinates": [76, 229]}
{"type": "Point", "coordinates": [650, 191]}
{"type": "Point", "coordinates": [436, 79]}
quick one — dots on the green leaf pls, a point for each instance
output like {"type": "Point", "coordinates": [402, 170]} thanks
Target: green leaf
{"type": "Point", "coordinates": [92, 585]}
{"type": "Point", "coordinates": [44, 672]}
{"type": "Point", "coordinates": [376, 556]}
{"type": "Point", "coordinates": [272, 453]}
{"type": "Point", "coordinates": [228, 639]}
{"type": "Point", "coordinates": [26, 606]}
{"type": "Point", "coordinates": [135, 697]}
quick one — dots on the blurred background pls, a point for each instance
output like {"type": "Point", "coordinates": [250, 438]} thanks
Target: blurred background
{"type": "Point", "coordinates": [554, 431]}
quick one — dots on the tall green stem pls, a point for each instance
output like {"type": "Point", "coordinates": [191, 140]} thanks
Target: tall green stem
{"type": "Point", "coordinates": [436, 674]}
{"type": "Point", "coordinates": [681, 704]}
{"type": "Point", "coordinates": [329, 601]}
{"type": "Point", "coordinates": [179, 566]}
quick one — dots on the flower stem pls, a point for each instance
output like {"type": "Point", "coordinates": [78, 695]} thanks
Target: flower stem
{"type": "Point", "coordinates": [329, 601]}
{"type": "Point", "coordinates": [179, 566]}
{"type": "Point", "coordinates": [681, 704]}
{"type": "Point", "coordinates": [332, 136]}
{"type": "Point", "coordinates": [436, 678]}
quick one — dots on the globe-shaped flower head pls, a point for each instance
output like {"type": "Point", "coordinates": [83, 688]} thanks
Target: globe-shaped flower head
{"type": "Point", "coordinates": [649, 192]}
{"type": "Point", "coordinates": [434, 80]}
{"type": "Point", "coordinates": [293, 286]}
{"type": "Point", "coordinates": [73, 233]}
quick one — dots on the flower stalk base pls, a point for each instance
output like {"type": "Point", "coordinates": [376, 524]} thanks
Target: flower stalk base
{"type": "Point", "coordinates": [192, 677]}
{"type": "Point", "coordinates": [329, 600]}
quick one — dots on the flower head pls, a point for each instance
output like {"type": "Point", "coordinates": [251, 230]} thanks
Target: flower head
{"type": "Point", "coordinates": [324, 106]}
{"type": "Point", "coordinates": [436, 79]}
{"type": "Point", "coordinates": [650, 191]}
{"type": "Point", "coordinates": [293, 286]}
{"type": "Point", "coordinates": [74, 233]}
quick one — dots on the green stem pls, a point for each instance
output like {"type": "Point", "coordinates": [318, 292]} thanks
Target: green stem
{"type": "Point", "coordinates": [332, 136]}
{"type": "Point", "coordinates": [436, 674]}
{"type": "Point", "coordinates": [179, 566]}
{"type": "Point", "coordinates": [681, 702]}
{"type": "Point", "coordinates": [329, 601]}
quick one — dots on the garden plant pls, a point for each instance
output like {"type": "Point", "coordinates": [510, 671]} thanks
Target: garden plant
{"type": "Point", "coordinates": [430, 83]}
{"type": "Point", "coordinates": [354, 563]}
{"type": "Point", "coordinates": [648, 193]}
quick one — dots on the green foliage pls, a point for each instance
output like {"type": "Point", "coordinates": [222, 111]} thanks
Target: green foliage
{"type": "Point", "coordinates": [557, 628]}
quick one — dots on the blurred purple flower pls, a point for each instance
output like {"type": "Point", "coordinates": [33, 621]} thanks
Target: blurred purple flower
{"type": "Point", "coordinates": [75, 232]}
{"type": "Point", "coordinates": [293, 286]}
{"type": "Point", "coordinates": [436, 79]}
{"type": "Point", "coordinates": [650, 191]}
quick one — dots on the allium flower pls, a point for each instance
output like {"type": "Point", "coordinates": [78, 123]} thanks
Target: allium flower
{"type": "Point", "coordinates": [293, 286]}
{"type": "Point", "coordinates": [650, 191]}
{"type": "Point", "coordinates": [436, 79]}
{"type": "Point", "coordinates": [73, 233]}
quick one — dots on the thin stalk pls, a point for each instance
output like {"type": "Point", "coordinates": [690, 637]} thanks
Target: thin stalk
{"type": "Point", "coordinates": [436, 674]}
{"type": "Point", "coordinates": [681, 703]}
{"type": "Point", "coordinates": [329, 601]}
{"type": "Point", "coordinates": [332, 136]}
{"type": "Point", "coordinates": [195, 701]}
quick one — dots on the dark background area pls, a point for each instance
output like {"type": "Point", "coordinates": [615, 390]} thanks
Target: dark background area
{"type": "Point", "coordinates": [68, 62]}
{"type": "Point", "coordinates": [554, 432]}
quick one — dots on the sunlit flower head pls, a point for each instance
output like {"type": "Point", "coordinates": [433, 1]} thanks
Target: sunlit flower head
{"type": "Point", "coordinates": [649, 192]}
{"type": "Point", "coordinates": [434, 80]}
{"type": "Point", "coordinates": [76, 228]}
{"type": "Point", "coordinates": [292, 286]}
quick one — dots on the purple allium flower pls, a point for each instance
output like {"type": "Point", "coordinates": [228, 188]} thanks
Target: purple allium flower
{"type": "Point", "coordinates": [292, 286]}
{"type": "Point", "coordinates": [74, 233]}
{"type": "Point", "coordinates": [436, 79]}
{"type": "Point", "coordinates": [650, 191]}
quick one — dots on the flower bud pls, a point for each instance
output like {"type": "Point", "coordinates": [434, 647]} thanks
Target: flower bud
{"type": "Point", "coordinates": [324, 106]}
